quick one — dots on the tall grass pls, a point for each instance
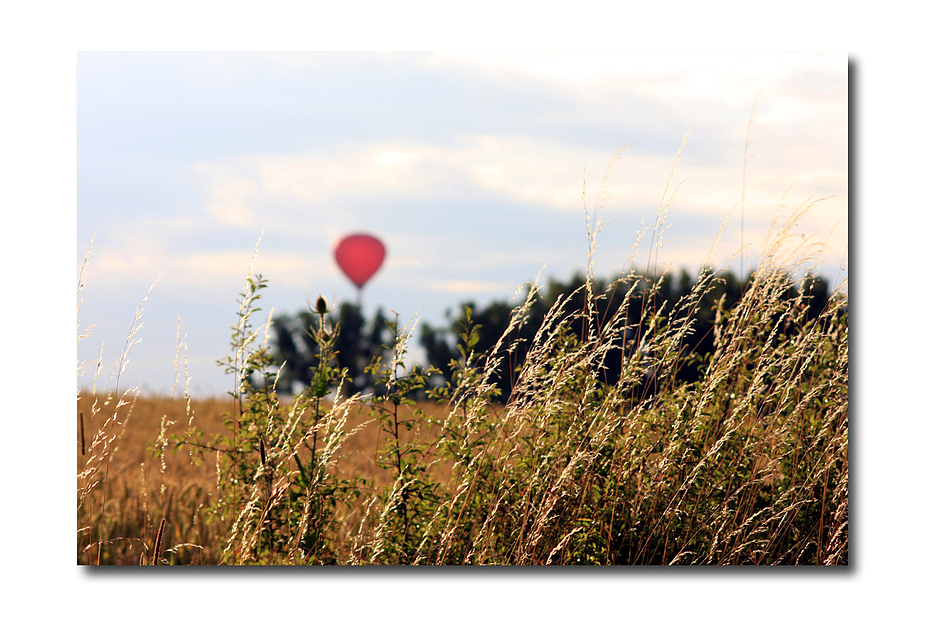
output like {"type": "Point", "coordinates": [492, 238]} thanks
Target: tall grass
{"type": "Point", "coordinates": [746, 465]}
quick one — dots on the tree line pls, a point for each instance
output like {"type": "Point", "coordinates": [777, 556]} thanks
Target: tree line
{"type": "Point", "coordinates": [475, 330]}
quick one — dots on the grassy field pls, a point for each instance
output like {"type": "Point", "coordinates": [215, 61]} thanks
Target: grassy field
{"type": "Point", "coordinates": [141, 484]}
{"type": "Point", "coordinates": [746, 465]}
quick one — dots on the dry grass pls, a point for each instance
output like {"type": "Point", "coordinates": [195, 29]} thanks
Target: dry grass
{"type": "Point", "coordinates": [141, 483]}
{"type": "Point", "coordinates": [131, 488]}
{"type": "Point", "coordinates": [746, 465]}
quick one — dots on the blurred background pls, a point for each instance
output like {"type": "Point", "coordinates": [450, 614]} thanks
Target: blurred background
{"type": "Point", "coordinates": [474, 169]}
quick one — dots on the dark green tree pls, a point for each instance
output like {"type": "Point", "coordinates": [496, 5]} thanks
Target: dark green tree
{"type": "Point", "coordinates": [358, 342]}
{"type": "Point", "coordinates": [645, 295]}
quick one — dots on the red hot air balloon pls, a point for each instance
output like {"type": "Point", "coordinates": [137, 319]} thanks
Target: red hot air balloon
{"type": "Point", "coordinates": [359, 256]}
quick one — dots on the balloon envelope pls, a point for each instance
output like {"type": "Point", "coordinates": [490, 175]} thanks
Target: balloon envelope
{"type": "Point", "coordinates": [359, 256]}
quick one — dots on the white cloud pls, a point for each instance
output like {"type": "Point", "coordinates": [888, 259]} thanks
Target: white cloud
{"type": "Point", "coordinates": [213, 266]}
{"type": "Point", "coordinates": [229, 204]}
{"type": "Point", "coordinates": [140, 260]}
{"type": "Point", "coordinates": [533, 170]}
{"type": "Point", "coordinates": [681, 81]}
{"type": "Point", "coordinates": [320, 177]}
{"type": "Point", "coordinates": [393, 158]}
{"type": "Point", "coordinates": [462, 286]}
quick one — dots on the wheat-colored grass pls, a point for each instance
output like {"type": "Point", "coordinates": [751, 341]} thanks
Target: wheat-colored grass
{"type": "Point", "coordinates": [747, 465]}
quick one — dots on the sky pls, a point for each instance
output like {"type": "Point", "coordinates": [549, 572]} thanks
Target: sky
{"type": "Point", "coordinates": [42, 73]}
{"type": "Point", "coordinates": [476, 169]}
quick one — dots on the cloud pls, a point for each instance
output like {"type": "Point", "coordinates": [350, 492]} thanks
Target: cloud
{"type": "Point", "coordinates": [533, 170]}
{"type": "Point", "coordinates": [230, 202]}
{"type": "Point", "coordinates": [393, 158]}
{"type": "Point", "coordinates": [143, 260]}
{"type": "Point", "coordinates": [319, 177]}
{"type": "Point", "coordinates": [463, 286]}
{"type": "Point", "coordinates": [678, 81]}
{"type": "Point", "coordinates": [314, 195]}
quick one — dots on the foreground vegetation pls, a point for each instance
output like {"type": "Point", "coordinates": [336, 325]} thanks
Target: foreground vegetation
{"type": "Point", "coordinates": [745, 463]}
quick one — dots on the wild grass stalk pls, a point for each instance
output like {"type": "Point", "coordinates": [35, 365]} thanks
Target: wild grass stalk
{"type": "Point", "coordinates": [732, 457]}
